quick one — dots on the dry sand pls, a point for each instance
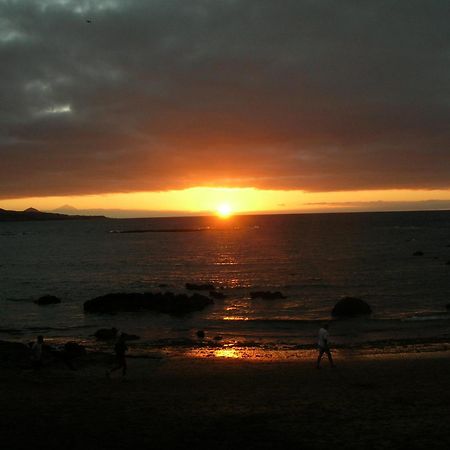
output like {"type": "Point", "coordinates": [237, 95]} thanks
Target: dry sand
{"type": "Point", "coordinates": [399, 402]}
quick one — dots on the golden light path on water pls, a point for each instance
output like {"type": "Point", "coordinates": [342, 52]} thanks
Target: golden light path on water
{"type": "Point", "coordinates": [309, 356]}
{"type": "Point", "coordinates": [230, 352]}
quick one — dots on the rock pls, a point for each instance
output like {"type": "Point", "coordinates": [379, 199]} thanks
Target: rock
{"type": "Point", "coordinates": [200, 334]}
{"type": "Point", "coordinates": [418, 253]}
{"type": "Point", "coordinates": [14, 354]}
{"type": "Point", "coordinates": [106, 334]}
{"type": "Point", "coordinates": [167, 303]}
{"type": "Point", "coordinates": [74, 350]}
{"type": "Point", "coordinates": [47, 300]}
{"type": "Point", "coordinates": [267, 295]}
{"type": "Point", "coordinates": [217, 295]}
{"type": "Point", "coordinates": [199, 287]}
{"type": "Point", "coordinates": [131, 337]}
{"type": "Point", "coordinates": [351, 307]}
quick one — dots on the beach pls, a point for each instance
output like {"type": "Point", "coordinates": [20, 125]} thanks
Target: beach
{"type": "Point", "coordinates": [369, 401]}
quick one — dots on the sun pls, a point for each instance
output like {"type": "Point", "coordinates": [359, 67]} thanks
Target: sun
{"type": "Point", "coordinates": [224, 210]}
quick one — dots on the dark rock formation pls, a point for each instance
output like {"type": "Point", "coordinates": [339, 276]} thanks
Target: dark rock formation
{"type": "Point", "coordinates": [74, 350]}
{"type": "Point", "coordinates": [418, 253]}
{"type": "Point", "coordinates": [167, 303]}
{"type": "Point", "coordinates": [200, 334]}
{"type": "Point", "coordinates": [130, 337]}
{"type": "Point", "coordinates": [200, 287]}
{"type": "Point", "coordinates": [351, 307]}
{"type": "Point", "coordinates": [14, 354]}
{"type": "Point", "coordinates": [47, 300]}
{"type": "Point", "coordinates": [217, 295]}
{"type": "Point", "coordinates": [106, 334]}
{"type": "Point", "coordinates": [267, 295]}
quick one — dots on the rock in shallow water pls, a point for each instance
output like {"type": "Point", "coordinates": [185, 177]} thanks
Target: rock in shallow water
{"type": "Point", "coordinates": [167, 303]}
{"type": "Point", "coordinates": [200, 287]}
{"type": "Point", "coordinates": [267, 295]}
{"type": "Point", "coordinates": [217, 295]}
{"type": "Point", "coordinates": [74, 350]}
{"type": "Point", "coordinates": [351, 307]}
{"type": "Point", "coordinates": [105, 334]}
{"type": "Point", "coordinates": [47, 300]}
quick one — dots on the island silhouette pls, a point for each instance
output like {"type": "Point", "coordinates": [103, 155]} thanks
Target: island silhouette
{"type": "Point", "coordinates": [32, 214]}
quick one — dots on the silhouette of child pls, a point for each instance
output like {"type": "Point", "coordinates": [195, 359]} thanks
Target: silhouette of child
{"type": "Point", "coordinates": [120, 350]}
{"type": "Point", "coordinates": [36, 353]}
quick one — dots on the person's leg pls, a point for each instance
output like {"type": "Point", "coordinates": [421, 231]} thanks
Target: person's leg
{"type": "Point", "coordinates": [118, 364]}
{"type": "Point", "coordinates": [330, 358]}
{"type": "Point", "coordinates": [121, 364]}
{"type": "Point", "coordinates": [319, 357]}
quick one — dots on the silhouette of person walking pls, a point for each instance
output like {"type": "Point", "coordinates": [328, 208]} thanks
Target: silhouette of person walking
{"type": "Point", "coordinates": [324, 346]}
{"type": "Point", "coordinates": [120, 350]}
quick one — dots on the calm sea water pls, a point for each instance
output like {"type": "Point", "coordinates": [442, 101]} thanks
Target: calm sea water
{"type": "Point", "coordinates": [313, 259]}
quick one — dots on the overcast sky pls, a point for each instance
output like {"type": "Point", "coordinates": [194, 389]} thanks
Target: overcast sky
{"type": "Point", "coordinates": [122, 96]}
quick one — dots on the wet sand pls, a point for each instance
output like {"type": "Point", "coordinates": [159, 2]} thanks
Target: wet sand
{"type": "Point", "coordinates": [379, 402]}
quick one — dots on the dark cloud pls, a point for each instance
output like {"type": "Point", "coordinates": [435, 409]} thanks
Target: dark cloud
{"type": "Point", "coordinates": [315, 95]}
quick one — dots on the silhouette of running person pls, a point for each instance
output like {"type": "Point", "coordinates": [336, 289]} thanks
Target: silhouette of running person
{"type": "Point", "coordinates": [120, 350]}
{"type": "Point", "coordinates": [324, 346]}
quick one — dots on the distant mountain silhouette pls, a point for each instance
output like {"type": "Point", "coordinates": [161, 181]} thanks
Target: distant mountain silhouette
{"type": "Point", "coordinates": [65, 209]}
{"type": "Point", "coordinates": [34, 214]}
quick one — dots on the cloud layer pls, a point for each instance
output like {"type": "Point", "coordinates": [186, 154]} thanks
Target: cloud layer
{"type": "Point", "coordinates": [121, 96]}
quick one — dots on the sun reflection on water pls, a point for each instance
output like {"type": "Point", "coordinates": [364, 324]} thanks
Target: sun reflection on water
{"type": "Point", "coordinates": [228, 353]}
{"type": "Point", "coordinates": [235, 318]}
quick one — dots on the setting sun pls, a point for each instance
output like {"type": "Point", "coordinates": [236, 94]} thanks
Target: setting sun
{"type": "Point", "coordinates": [224, 210]}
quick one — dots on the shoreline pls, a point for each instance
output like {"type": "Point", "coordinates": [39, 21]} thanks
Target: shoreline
{"type": "Point", "coordinates": [16, 353]}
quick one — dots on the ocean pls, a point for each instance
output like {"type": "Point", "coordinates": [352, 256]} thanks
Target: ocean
{"type": "Point", "coordinates": [313, 259]}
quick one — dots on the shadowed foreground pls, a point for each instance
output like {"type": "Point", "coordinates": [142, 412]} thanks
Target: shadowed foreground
{"type": "Point", "coordinates": [219, 404]}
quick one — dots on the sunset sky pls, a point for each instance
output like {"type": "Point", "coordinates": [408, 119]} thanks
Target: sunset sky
{"type": "Point", "coordinates": [177, 107]}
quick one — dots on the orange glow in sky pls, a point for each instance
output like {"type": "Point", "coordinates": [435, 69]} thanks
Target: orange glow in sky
{"type": "Point", "coordinates": [226, 201]}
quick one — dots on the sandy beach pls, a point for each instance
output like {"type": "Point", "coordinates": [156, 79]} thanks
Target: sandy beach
{"type": "Point", "coordinates": [384, 401]}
